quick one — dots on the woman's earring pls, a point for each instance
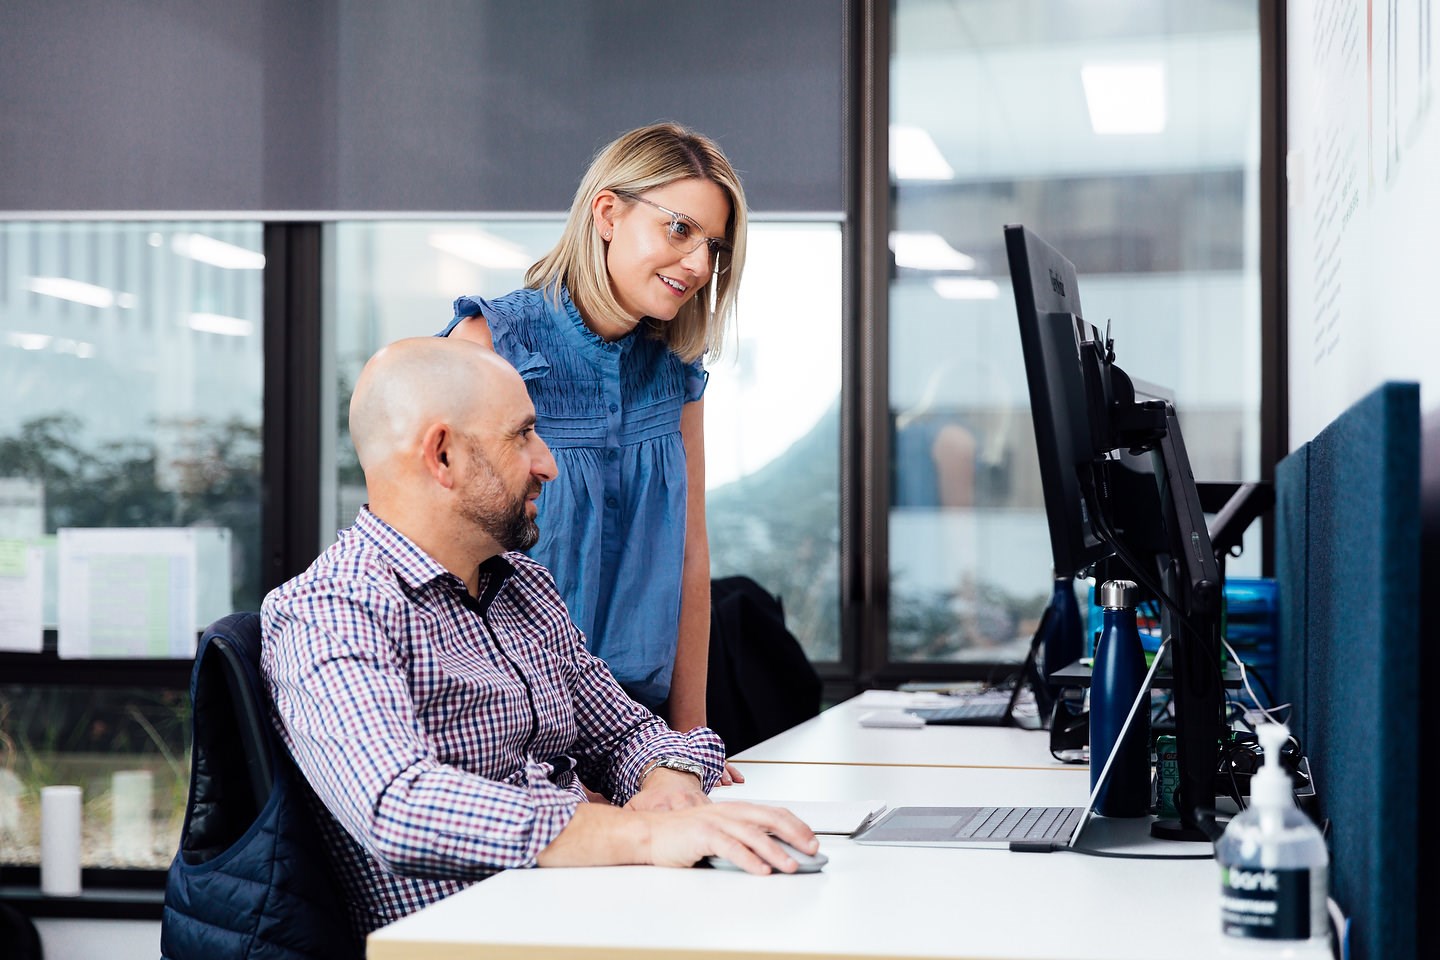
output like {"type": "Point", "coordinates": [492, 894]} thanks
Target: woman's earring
{"type": "Point", "coordinates": [605, 236]}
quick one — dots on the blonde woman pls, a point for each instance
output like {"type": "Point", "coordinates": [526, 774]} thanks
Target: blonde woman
{"type": "Point", "coordinates": [608, 333]}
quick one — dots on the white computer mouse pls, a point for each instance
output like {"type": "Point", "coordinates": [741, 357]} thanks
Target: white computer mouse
{"type": "Point", "coordinates": [809, 862]}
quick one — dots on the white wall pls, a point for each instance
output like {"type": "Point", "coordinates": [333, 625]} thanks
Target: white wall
{"type": "Point", "coordinates": [1364, 144]}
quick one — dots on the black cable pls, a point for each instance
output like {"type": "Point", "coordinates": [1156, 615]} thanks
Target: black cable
{"type": "Point", "coordinates": [1251, 671]}
{"type": "Point", "coordinates": [1140, 856]}
{"type": "Point", "coordinates": [1137, 569]}
{"type": "Point", "coordinates": [1060, 846]}
{"type": "Point", "coordinates": [1108, 534]}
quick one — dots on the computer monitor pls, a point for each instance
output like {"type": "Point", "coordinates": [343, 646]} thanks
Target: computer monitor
{"type": "Point", "coordinates": [1101, 510]}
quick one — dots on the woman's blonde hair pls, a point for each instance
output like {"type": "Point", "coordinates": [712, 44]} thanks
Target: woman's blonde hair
{"type": "Point", "coordinates": [641, 160]}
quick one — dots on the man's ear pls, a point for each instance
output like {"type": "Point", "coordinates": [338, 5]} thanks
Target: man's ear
{"type": "Point", "coordinates": [437, 449]}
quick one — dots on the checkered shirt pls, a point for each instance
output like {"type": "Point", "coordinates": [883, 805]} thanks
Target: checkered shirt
{"type": "Point", "coordinates": [443, 734]}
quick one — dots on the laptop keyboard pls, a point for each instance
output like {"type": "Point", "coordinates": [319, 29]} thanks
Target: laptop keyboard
{"type": "Point", "coordinates": [962, 712]}
{"type": "Point", "coordinates": [1018, 823]}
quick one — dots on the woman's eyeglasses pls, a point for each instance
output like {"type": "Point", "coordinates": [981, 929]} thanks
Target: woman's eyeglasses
{"type": "Point", "coordinates": [686, 235]}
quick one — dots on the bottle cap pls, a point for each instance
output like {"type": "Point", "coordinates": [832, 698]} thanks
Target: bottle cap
{"type": "Point", "coordinates": [1118, 594]}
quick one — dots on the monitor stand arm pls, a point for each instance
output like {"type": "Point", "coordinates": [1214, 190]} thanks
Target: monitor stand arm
{"type": "Point", "coordinates": [1195, 583]}
{"type": "Point", "coordinates": [1238, 506]}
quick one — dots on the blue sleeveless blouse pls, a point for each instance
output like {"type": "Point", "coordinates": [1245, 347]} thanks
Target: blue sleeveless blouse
{"type": "Point", "coordinates": [612, 523]}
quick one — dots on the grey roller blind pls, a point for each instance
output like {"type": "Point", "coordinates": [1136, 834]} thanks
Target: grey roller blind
{"type": "Point", "coordinates": [403, 105]}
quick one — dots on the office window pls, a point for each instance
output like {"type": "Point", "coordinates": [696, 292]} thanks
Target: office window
{"type": "Point", "coordinates": [771, 407]}
{"type": "Point", "coordinates": [1127, 135]}
{"type": "Point", "coordinates": [131, 356]}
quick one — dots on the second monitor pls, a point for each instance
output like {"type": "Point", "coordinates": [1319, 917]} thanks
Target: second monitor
{"type": "Point", "coordinates": [1086, 412]}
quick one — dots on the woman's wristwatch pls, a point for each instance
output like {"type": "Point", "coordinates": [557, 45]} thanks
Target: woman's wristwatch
{"type": "Point", "coordinates": [683, 764]}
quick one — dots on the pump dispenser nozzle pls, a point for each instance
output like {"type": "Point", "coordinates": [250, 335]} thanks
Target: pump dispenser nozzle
{"type": "Point", "coordinates": [1270, 787]}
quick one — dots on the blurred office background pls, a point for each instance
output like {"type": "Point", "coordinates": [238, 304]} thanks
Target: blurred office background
{"type": "Point", "coordinates": [213, 213]}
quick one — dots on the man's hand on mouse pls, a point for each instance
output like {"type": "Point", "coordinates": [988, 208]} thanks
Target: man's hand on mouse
{"type": "Point", "coordinates": [739, 832]}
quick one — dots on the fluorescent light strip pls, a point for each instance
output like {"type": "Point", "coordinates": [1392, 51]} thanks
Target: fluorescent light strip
{"type": "Point", "coordinates": [223, 325]}
{"type": "Point", "coordinates": [27, 341]}
{"type": "Point", "coordinates": [76, 291]}
{"type": "Point", "coordinates": [914, 156]}
{"type": "Point", "coordinates": [41, 341]}
{"type": "Point", "coordinates": [1125, 98]}
{"type": "Point", "coordinates": [927, 251]}
{"type": "Point", "coordinates": [965, 288]}
{"type": "Point", "coordinates": [217, 253]}
{"type": "Point", "coordinates": [79, 348]}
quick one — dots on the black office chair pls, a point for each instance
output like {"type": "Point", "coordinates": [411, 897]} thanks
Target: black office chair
{"type": "Point", "coordinates": [760, 682]}
{"type": "Point", "coordinates": [250, 880]}
{"type": "Point", "coordinates": [19, 940]}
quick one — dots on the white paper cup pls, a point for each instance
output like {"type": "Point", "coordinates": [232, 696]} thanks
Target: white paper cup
{"type": "Point", "coordinates": [132, 796]}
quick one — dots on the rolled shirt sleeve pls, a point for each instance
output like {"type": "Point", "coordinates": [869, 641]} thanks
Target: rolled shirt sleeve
{"type": "Point", "coordinates": [618, 738]}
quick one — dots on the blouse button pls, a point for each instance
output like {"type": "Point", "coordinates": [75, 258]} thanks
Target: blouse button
{"type": "Point", "coordinates": [614, 407]}
{"type": "Point", "coordinates": [612, 455]}
{"type": "Point", "coordinates": [611, 502]}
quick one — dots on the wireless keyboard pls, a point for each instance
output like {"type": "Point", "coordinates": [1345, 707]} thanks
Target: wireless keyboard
{"type": "Point", "coordinates": [976, 711]}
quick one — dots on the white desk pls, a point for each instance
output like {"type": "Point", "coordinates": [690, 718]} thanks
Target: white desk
{"type": "Point", "coordinates": [837, 737]}
{"type": "Point", "coordinates": [874, 902]}
{"type": "Point", "coordinates": [879, 902]}
{"type": "Point", "coordinates": [910, 785]}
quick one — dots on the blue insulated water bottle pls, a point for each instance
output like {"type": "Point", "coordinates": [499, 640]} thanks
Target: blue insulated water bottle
{"type": "Point", "coordinates": [1114, 683]}
{"type": "Point", "coordinates": [1064, 637]}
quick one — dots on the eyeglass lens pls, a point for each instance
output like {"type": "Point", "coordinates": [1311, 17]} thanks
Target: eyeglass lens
{"type": "Point", "coordinates": [686, 235]}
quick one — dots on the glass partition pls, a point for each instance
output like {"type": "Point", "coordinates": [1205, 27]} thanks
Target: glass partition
{"type": "Point", "coordinates": [132, 357]}
{"type": "Point", "coordinates": [1126, 134]}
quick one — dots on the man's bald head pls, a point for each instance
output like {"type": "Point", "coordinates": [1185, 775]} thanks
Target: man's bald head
{"type": "Point", "coordinates": [413, 383]}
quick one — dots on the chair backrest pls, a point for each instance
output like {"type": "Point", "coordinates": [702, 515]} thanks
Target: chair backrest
{"type": "Point", "coordinates": [760, 681]}
{"type": "Point", "coordinates": [250, 880]}
{"type": "Point", "coordinates": [19, 940]}
{"type": "Point", "coordinates": [233, 767]}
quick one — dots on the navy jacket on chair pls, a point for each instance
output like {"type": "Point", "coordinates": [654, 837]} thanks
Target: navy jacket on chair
{"type": "Point", "coordinates": [250, 879]}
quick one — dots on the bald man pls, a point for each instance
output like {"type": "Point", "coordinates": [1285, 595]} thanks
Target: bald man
{"type": "Point", "coordinates": [431, 686]}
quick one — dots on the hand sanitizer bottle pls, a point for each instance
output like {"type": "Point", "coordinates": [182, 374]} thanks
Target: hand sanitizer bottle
{"type": "Point", "coordinates": [1273, 868]}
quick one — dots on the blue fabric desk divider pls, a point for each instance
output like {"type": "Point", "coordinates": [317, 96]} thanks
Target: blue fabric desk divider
{"type": "Point", "coordinates": [1348, 563]}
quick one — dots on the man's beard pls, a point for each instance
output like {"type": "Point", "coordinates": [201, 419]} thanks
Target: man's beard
{"type": "Point", "coordinates": [502, 516]}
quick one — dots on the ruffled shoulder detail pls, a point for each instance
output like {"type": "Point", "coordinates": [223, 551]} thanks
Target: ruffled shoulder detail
{"type": "Point", "coordinates": [512, 318]}
{"type": "Point", "coordinates": [696, 379]}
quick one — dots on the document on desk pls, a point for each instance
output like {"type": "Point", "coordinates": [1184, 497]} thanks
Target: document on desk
{"type": "Point", "coordinates": [901, 699]}
{"type": "Point", "coordinates": [835, 817]}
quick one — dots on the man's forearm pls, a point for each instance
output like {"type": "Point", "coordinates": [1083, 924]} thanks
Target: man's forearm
{"type": "Point", "coordinates": [599, 835]}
